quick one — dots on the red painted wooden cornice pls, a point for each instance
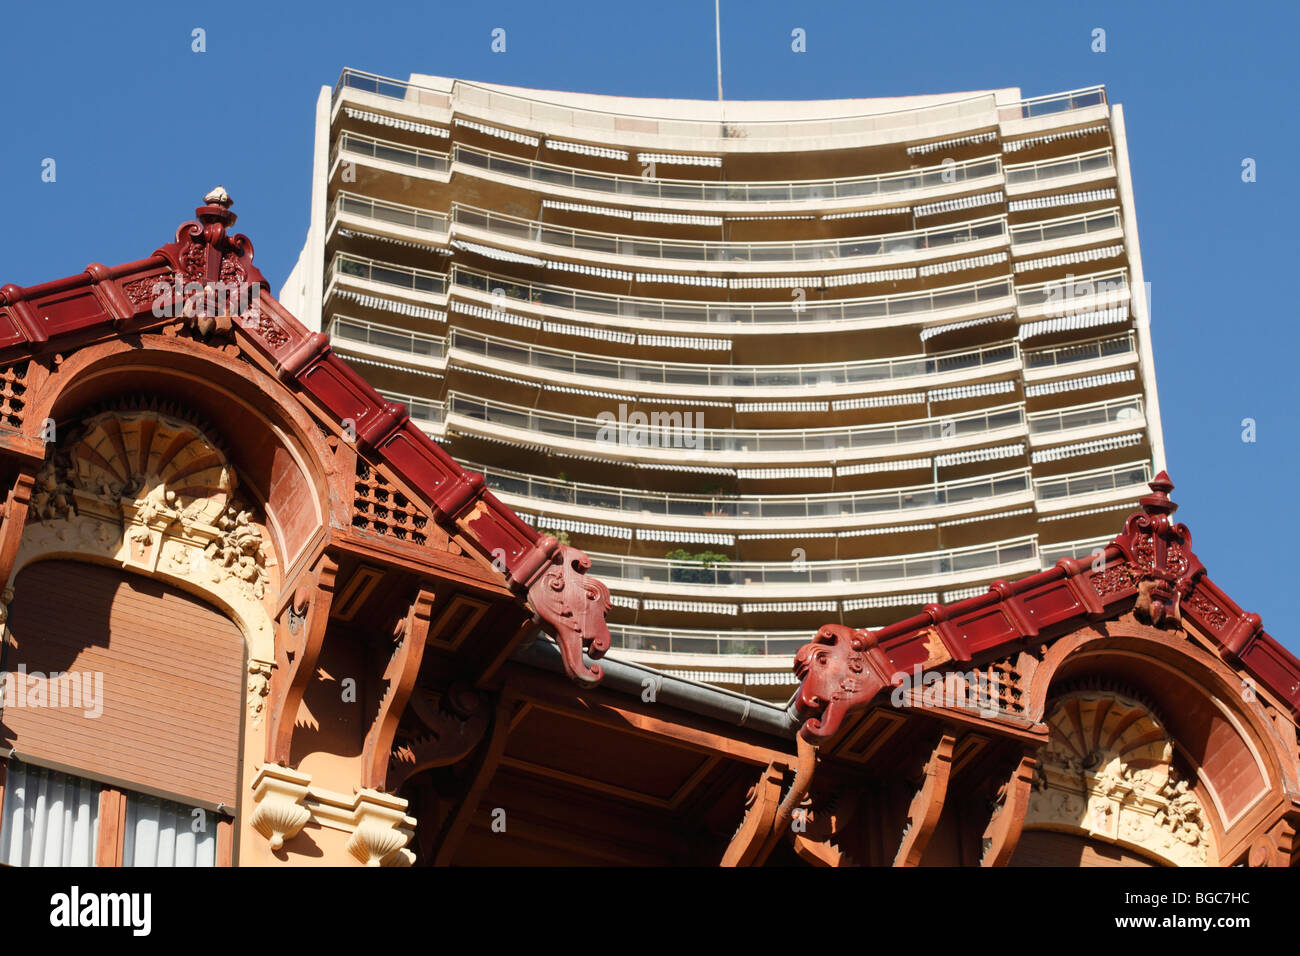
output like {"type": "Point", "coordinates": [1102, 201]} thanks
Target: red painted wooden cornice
{"type": "Point", "coordinates": [119, 299]}
{"type": "Point", "coordinates": [1151, 560]}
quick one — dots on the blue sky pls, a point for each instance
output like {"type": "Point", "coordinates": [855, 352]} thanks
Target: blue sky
{"type": "Point", "coordinates": [140, 127]}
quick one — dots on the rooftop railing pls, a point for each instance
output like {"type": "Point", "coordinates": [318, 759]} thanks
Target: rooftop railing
{"type": "Point", "coordinates": [670, 431]}
{"type": "Point", "coordinates": [620, 569]}
{"type": "Point", "coordinates": [600, 125]}
{"type": "Point", "coordinates": [729, 376]}
{"type": "Point", "coordinates": [732, 313]}
{"type": "Point", "coordinates": [1052, 103]}
{"type": "Point", "coordinates": [632, 504]}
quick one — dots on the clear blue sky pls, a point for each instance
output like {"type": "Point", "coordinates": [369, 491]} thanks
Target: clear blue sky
{"type": "Point", "coordinates": [141, 127]}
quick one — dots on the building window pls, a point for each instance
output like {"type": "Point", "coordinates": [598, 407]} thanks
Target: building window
{"type": "Point", "coordinates": [50, 818]}
{"type": "Point", "coordinates": [55, 819]}
{"type": "Point", "coordinates": [161, 833]}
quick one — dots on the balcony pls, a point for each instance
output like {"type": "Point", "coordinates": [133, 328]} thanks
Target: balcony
{"type": "Point", "coordinates": [669, 437]}
{"type": "Point", "coordinates": [974, 298]}
{"type": "Point", "coordinates": [1081, 422]}
{"type": "Point", "coordinates": [759, 580]}
{"type": "Point", "coordinates": [1096, 355]}
{"type": "Point", "coordinates": [384, 278]}
{"type": "Point", "coordinates": [385, 342]}
{"type": "Point", "coordinates": [754, 513]}
{"type": "Point", "coordinates": [424, 227]}
{"type": "Point", "coordinates": [1026, 178]}
{"type": "Point", "coordinates": [729, 381]}
{"type": "Point", "coordinates": [899, 187]}
{"type": "Point", "coordinates": [604, 249]}
{"type": "Point", "coordinates": [1097, 486]}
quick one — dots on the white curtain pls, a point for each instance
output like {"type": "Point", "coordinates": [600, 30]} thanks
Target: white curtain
{"type": "Point", "coordinates": [49, 818]}
{"type": "Point", "coordinates": [162, 833]}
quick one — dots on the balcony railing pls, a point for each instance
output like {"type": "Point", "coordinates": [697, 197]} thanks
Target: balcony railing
{"type": "Point", "coordinates": [1095, 290]}
{"type": "Point", "coordinates": [1133, 475]}
{"type": "Point", "coordinates": [391, 213]}
{"type": "Point", "coordinates": [817, 190]}
{"type": "Point", "coordinates": [1066, 228]}
{"type": "Point", "coordinates": [632, 504]}
{"type": "Point", "coordinates": [732, 313]}
{"type": "Point", "coordinates": [629, 571]}
{"type": "Point", "coordinates": [1084, 416]}
{"type": "Point", "coordinates": [414, 344]}
{"type": "Point", "coordinates": [668, 431]}
{"type": "Point", "coordinates": [420, 409]}
{"type": "Point", "coordinates": [402, 277]}
{"type": "Point", "coordinates": [1047, 169]}
{"type": "Point", "coordinates": [691, 641]}
{"type": "Point", "coordinates": [381, 149]}
{"type": "Point", "coordinates": [508, 351]}
{"type": "Point", "coordinates": [1086, 547]}
{"type": "Point", "coordinates": [725, 253]}
{"type": "Point", "coordinates": [1082, 352]}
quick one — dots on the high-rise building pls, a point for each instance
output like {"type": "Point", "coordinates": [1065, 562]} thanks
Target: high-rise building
{"type": "Point", "coordinates": [770, 364]}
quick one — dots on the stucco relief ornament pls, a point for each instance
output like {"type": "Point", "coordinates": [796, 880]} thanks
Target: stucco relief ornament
{"type": "Point", "coordinates": [574, 605]}
{"type": "Point", "coordinates": [1160, 556]}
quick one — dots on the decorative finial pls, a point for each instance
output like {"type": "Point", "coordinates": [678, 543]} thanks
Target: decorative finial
{"type": "Point", "coordinates": [218, 197]}
{"type": "Point", "coordinates": [1158, 502]}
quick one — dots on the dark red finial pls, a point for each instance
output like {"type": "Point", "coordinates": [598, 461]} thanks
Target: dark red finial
{"type": "Point", "coordinates": [1158, 502]}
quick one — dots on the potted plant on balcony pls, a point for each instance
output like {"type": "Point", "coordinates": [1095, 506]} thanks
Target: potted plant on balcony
{"type": "Point", "coordinates": [707, 560]}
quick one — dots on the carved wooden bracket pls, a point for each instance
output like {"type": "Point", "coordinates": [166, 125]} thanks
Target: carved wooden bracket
{"type": "Point", "coordinates": [1277, 847]}
{"type": "Point", "coordinates": [573, 606]}
{"type": "Point", "coordinates": [840, 672]}
{"type": "Point", "coordinates": [752, 841]}
{"type": "Point", "coordinates": [830, 838]}
{"type": "Point", "coordinates": [455, 722]}
{"type": "Point", "coordinates": [927, 806]}
{"type": "Point", "coordinates": [1008, 819]}
{"type": "Point", "coordinates": [298, 639]}
{"type": "Point", "coordinates": [409, 638]}
{"type": "Point", "coordinates": [12, 522]}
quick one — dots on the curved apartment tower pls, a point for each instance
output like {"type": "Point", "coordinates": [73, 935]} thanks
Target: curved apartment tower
{"type": "Point", "coordinates": [772, 365]}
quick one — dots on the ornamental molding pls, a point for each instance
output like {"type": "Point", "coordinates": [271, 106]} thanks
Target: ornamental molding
{"type": "Point", "coordinates": [285, 801]}
{"type": "Point", "coordinates": [148, 491]}
{"type": "Point", "coordinates": [1160, 562]}
{"type": "Point", "coordinates": [1107, 772]}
